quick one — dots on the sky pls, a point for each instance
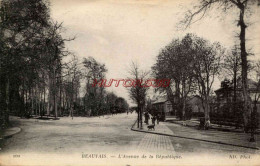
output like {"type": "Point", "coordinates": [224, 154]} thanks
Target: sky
{"type": "Point", "coordinates": [118, 32]}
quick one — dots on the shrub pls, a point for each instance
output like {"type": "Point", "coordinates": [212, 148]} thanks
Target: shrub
{"type": "Point", "coordinates": [198, 114]}
{"type": "Point", "coordinates": [230, 114]}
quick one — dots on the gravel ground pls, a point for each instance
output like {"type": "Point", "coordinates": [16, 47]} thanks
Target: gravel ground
{"type": "Point", "coordinates": [101, 140]}
{"type": "Point", "coordinates": [106, 134]}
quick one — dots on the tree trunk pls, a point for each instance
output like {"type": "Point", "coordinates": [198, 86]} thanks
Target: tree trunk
{"type": "Point", "coordinates": [183, 100]}
{"type": "Point", "coordinates": [54, 93]}
{"type": "Point", "coordinates": [235, 87]}
{"type": "Point", "coordinates": [55, 106]}
{"type": "Point", "coordinates": [247, 104]}
{"type": "Point", "coordinates": [40, 100]}
{"type": "Point", "coordinates": [206, 111]}
{"type": "Point", "coordinates": [64, 103]}
{"type": "Point", "coordinates": [7, 100]}
{"type": "Point", "coordinates": [76, 103]}
{"type": "Point", "coordinates": [141, 117]}
{"type": "Point", "coordinates": [60, 102]}
{"type": "Point", "coordinates": [183, 109]}
{"type": "Point", "coordinates": [23, 101]}
{"type": "Point", "coordinates": [31, 98]}
{"type": "Point", "coordinates": [138, 117]}
{"type": "Point", "coordinates": [43, 109]}
{"type": "Point", "coordinates": [235, 110]}
{"type": "Point", "coordinates": [49, 96]}
{"type": "Point", "coordinates": [26, 100]}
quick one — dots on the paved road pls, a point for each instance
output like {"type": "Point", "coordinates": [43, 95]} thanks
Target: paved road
{"type": "Point", "coordinates": [107, 135]}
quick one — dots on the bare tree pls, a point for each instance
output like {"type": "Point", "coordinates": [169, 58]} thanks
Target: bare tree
{"type": "Point", "coordinates": [138, 91]}
{"type": "Point", "coordinates": [95, 95]}
{"type": "Point", "coordinates": [206, 68]}
{"type": "Point", "coordinates": [175, 61]}
{"type": "Point", "coordinates": [244, 7]}
{"type": "Point", "coordinates": [72, 83]}
{"type": "Point", "coordinates": [232, 68]}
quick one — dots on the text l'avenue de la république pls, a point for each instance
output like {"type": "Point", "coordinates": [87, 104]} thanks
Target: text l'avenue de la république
{"type": "Point", "coordinates": [130, 156]}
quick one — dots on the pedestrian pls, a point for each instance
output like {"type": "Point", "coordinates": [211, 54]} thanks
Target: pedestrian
{"type": "Point", "coordinates": [145, 117]}
{"type": "Point", "coordinates": [153, 119]}
{"type": "Point", "coordinates": [158, 119]}
{"type": "Point", "coordinates": [148, 117]}
{"type": "Point", "coordinates": [207, 124]}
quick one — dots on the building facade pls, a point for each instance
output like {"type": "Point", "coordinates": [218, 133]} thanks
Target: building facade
{"type": "Point", "coordinates": [161, 106]}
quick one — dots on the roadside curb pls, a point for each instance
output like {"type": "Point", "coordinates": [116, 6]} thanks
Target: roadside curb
{"type": "Point", "coordinates": [190, 138]}
{"type": "Point", "coordinates": [213, 128]}
{"type": "Point", "coordinates": [10, 132]}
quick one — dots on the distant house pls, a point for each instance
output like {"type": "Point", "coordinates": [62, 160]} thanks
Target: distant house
{"type": "Point", "coordinates": [162, 106]}
{"type": "Point", "coordinates": [225, 94]}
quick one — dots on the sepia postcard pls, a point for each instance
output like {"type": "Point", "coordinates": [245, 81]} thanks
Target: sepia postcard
{"type": "Point", "coordinates": [129, 82]}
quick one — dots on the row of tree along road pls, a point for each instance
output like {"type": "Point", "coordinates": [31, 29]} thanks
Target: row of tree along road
{"type": "Point", "coordinates": [34, 77]}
